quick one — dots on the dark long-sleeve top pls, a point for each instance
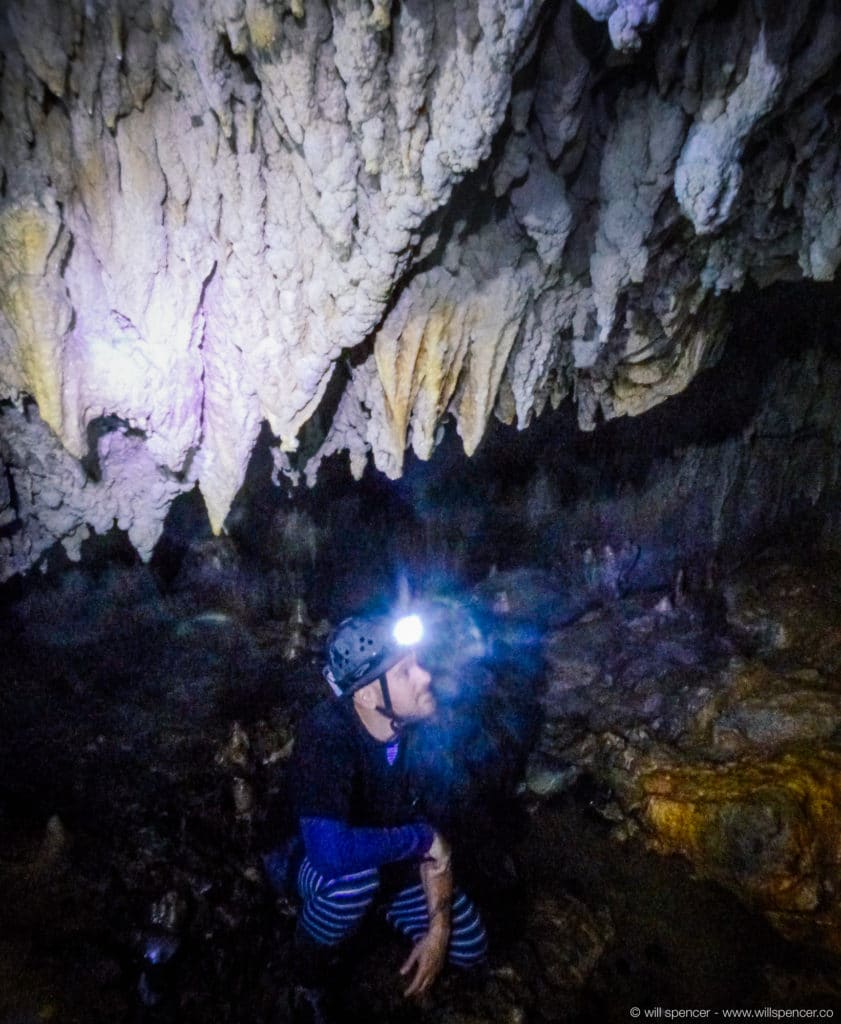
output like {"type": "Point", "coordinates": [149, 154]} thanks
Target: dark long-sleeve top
{"type": "Point", "coordinates": [355, 796]}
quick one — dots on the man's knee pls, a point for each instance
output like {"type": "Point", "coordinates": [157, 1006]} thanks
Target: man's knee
{"type": "Point", "coordinates": [469, 940]}
{"type": "Point", "coordinates": [470, 953]}
{"type": "Point", "coordinates": [334, 908]}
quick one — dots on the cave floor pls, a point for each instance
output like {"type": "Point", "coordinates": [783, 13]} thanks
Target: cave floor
{"type": "Point", "coordinates": [131, 806]}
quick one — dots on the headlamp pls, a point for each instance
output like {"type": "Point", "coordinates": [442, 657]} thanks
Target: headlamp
{"type": "Point", "coordinates": [408, 631]}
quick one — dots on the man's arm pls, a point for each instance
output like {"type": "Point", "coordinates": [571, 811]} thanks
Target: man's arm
{"type": "Point", "coordinates": [335, 848]}
{"type": "Point", "coordinates": [430, 953]}
{"type": "Point", "coordinates": [326, 763]}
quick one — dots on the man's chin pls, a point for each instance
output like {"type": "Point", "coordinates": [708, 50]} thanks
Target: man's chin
{"type": "Point", "coordinates": [428, 707]}
{"type": "Point", "coordinates": [424, 709]}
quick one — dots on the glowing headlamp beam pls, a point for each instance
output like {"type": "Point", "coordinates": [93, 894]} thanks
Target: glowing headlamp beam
{"type": "Point", "coordinates": [408, 631]}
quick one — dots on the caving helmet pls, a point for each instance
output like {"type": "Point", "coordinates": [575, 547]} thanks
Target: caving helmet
{"type": "Point", "coordinates": [362, 649]}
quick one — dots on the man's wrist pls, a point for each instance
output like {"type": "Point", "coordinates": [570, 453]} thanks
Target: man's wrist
{"type": "Point", "coordinates": [439, 919]}
{"type": "Point", "coordinates": [435, 868]}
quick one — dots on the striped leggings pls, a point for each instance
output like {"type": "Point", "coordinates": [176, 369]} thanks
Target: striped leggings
{"type": "Point", "coordinates": [333, 909]}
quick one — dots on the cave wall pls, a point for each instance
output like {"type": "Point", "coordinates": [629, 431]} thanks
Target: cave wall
{"type": "Point", "coordinates": [389, 215]}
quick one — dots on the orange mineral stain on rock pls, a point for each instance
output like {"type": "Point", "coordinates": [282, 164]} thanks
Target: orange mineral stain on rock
{"type": "Point", "coordinates": [769, 831]}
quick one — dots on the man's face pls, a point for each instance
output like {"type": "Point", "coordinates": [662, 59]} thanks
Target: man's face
{"type": "Point", "coordinates": [410, 690]}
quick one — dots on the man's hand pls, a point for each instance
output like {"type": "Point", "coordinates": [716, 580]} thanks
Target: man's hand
{"type": "Point", "coordinates": [430, 952]}
{"type": "Point", "coordinates": [437, 861]}
{"type": "Point", "coordinates": [426, 959]}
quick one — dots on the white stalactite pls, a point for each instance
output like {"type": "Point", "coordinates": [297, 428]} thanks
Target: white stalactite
{"type": "Point", "coordinates": [205, 206]}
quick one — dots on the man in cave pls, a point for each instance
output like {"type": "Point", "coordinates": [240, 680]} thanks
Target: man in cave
{"type": "Point", "coordinates": [361, 816]}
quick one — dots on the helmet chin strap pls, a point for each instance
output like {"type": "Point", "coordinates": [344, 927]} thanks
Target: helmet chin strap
{"type": "Point", "coordinates": [386, 710]}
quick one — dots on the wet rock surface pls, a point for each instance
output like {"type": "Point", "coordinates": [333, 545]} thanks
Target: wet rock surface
{"type": "Point", "coordinates": [715, 725]}
{"type": "Point", "coordinates": [144, 772]}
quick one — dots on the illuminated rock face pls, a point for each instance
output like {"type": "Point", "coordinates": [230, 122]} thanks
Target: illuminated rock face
{"type": "Point", "coordinates": [765, 820]}
{"type": "Point", "coordinates": [206, 208]}
{"type": "Point", "coordinates": [717, 730]}
{"type": "Point", "coordinates": [767, 831]}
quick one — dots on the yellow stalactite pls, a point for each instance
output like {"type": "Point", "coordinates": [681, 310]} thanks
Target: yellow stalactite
{"type": "Point", "coordinates": [34, 302]}
{"type": "Point", "coordinates": [419, 364]}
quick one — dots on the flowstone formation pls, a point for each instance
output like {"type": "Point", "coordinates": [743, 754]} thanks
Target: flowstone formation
{"type": "Point", "coordinates": [214, 215]}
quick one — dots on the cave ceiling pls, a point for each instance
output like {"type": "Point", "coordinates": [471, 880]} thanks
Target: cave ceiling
{"type": "Point", "coordinates": [377, 217]}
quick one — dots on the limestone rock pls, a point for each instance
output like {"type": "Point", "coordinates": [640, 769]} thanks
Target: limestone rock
{"type": "Point", "coordinates": [731, 760]}
{"type": "Point", "coordinates": [769, 830]}
{"type": "Point", "coordinates": [208, 212]}
{"type": "Point", "coordinates": [570, 938]}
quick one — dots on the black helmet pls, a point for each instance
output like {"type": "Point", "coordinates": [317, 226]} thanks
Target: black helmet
{"type": "Point", "coordinates": [361, 649]}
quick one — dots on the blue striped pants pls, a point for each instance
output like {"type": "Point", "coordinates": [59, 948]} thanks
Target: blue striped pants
{"type": "Point", "coordinates": [333, 909]}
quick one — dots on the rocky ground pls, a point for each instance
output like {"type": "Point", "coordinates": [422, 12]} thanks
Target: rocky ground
{"type": "Point", "coordinates": [654, 818]}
